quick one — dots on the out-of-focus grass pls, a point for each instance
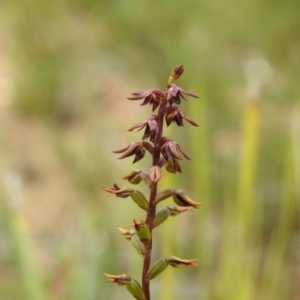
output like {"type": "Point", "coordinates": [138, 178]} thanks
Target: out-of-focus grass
{"type": "Point", "coordinates": [74, 63]}
{"type": "Point", "coordinates": [29, 285]}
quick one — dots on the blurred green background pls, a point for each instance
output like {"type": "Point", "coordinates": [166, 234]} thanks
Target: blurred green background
{"type": "Point", "coordinates": [66, 68]}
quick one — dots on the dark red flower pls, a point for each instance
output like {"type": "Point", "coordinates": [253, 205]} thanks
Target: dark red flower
{"type": "Point", "coordinates": [174, 114]}
{"type": "Point", "coordinates": [171, 149]}
{"type": "Point", "coordinates": [151, 127]}
{"type": "Point", "coordinates": [135, 148]}
{"type": "Point", "coordinates": [152, 97]}
{"type": "Point", "coordinates": [175, 93]}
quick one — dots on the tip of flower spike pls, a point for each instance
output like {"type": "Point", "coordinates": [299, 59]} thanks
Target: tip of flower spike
{"type": "Point", "coordinates": [176, 73]}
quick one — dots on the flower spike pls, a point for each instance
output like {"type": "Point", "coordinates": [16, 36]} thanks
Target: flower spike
{"type": "Point", "coordinates": [164, 152]}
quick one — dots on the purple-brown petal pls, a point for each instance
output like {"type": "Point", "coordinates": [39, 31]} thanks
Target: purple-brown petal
{"type": "Point", "coordinates": [169, 119]}
{"type": "Point", "coordinates": [190, 121]}
{"type": "Point", "coordinates": [138, 93]}
{"type": "Point", "coordinates": [139, 125]}
{"type": "Point", "coordinates": [153, 125]}
{"type": "Point", "coordinates": [122, 150]}
{"type": "Point", "coordinates": [178, 120]}
{"type": "Point", "coordinates": [148, 147]}
{"type": "Point", "coordinates": [147, 100]}
{"type": "Point", "coordinates": [129, 151]}
{"type": "Point", "coordinates": [154, 106]}
{"type": "Point", "coordinates": [139, 155]}
{"type": "Point", "coordinates": [147, 133]}
{"type": "Point", "coordinates": [135, 98]}
{"type": "Point", "coordinates": [184, 153]}
{"type": "Point", "coordinates": [188, 93]}
{"type": "Point", "coordinates": [132, 149]}
{"type": "Point", "coordinates": [174, 150]}
{"type": "Point", "coordinates": [173, 166]}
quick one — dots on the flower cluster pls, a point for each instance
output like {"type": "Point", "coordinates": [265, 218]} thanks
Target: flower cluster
{"type": "Point", "coordinates": [167, 153]}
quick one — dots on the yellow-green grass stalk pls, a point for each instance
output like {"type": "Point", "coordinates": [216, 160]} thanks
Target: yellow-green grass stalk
{"type": "Point", "coordinates": [247, 204]}
{"type": "Point", "coordinates": [21, 251]}
{"type": "Point", "coordinates": [242, 255]}
{"type": "Point", "coordinates": [247, 168]}
{"type": "Point", "coordinates": [229, 282]}
{"type": "Point", "coordinates": [224, 285]}
{"type": "Point", "coordinates": [199, 186]}
{"type": "Point", "coordinates": [276, 275]}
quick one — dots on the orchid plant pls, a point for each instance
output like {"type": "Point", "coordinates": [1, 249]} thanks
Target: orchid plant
{"type": "Point", "coordinates": [166, 153]}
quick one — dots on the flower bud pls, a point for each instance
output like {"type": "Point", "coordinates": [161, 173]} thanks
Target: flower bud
{"type": "Point", "coordinates": [119, 279]}
{"type": "Point", "coordinates": [123, 192]}
{"type": "Point", "coordinates": [156, 268]}
{"type": "Point", "coordinates": [155, 173]}
{"type": "Point", "coordinates": [176, 262]}
{"type": "Point", "coordinates": [163, 195]}
{"type": "Point", "coordinates": [176, 73]}
{"type": "Point", "coordinates": [127, 233]}
{"type": "Point", "coordinates": [133, 177]}
{"type": "Point", "coordinates": [132, 286]}
{"type": "Point", "coordinates": [148, 147]}
{"type": "Point", "coordinates": [181, 199]}
{"type": "Point", "coordinates": [139, 198]}
{"type": "Point", "coordinates": [142, 231]}
{"type": "Point", "coordinates": [146, 178]}
{"type": "Point", "coordinates": [174, 210]}
{"type": "Point", "coordinates": [162, 161]}
{"type": "Point", "coordinates": [161, 215]}
{"type": "Point", "coordinates": [138, 245]}
{"type": "Point", "coordinates": [135, 289]}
